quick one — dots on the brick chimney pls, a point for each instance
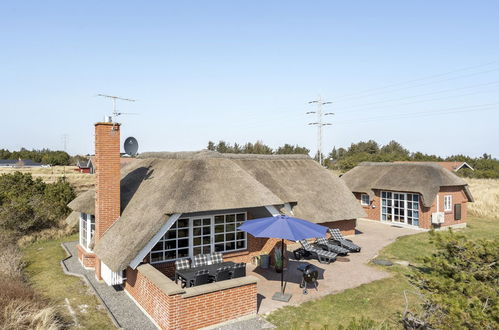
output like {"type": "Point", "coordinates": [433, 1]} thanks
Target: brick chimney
{"type": "Point", "coordinates": [108, 176]}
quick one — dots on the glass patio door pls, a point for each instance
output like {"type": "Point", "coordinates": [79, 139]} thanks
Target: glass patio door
{"type": "Point", "coordinates": [400, 207]}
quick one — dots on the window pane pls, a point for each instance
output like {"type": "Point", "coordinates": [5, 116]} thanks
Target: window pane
{"type": "Point", "coordinates": [183, 223]}
{"type": "Point", "coordinates": [240, 244]}
{"type": "Point", "coordinates": [170, 255]}
{"type": "Point", "coordinates": [230, 218]}
{"type": "Point", "coordinates": [171, 234]}
{"type": "Point", "coordinates": [219, 219]}
{"type": "Point", "coordinates": [241, 217]}
{"type": "Point", "coordinates": [196, 231]}
{"type": "Point", "coordinates": [183, 253]}
{"type": "Point", "coordinates": [219, 247]}
{"type": "Point", "coordinates": [207, 249]}
{"type": "Point", "coordinates": [219, 228]}
{"type": "Point", "coordinates": [183, 233]}
{"type": "Point", "coordinates": [182, 243]}
{"type": "Point", "coordinates": [196, 241]}
{"type": "Point", "coordinates": [170, 245]}
{"type": "Point", "coordinates": [196, 250]}
{"type": "Point", "coordinates": [219, 238]}
{"type": "Point", "coordinates": [230, 246]}
{"type": "Point", "coordinates": [156, 256]}
{"type": "Point", "coordinates": [206, 240]}
{"type": "Point", "coordinates": [197, 222]}
{"type": "Point", "coordinates": [206, 230]}
{"type": "Point", "coordinates": [230, 237]}
{"type": "Point", "coordinates": [230, 227]}
{"type": "Point", "coordinates": [415, 197]}
{"type": "Point", "coordinates": [240, 235]}
{"type": "Point", "coordinates": [158, 247]}
{"type": "Point", "coordinates": [206, 222]}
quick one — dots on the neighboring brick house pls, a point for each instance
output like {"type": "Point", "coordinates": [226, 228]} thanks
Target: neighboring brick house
{"type": "Point", "coordinates": [166, 206]}
{"type": "Point", "coordinates": [451, 166]}
{"type": "Point", "coordinates": [419, 194]}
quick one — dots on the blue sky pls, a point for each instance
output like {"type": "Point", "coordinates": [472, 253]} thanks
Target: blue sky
{"type": "Point", "coordinates": [424, 73]}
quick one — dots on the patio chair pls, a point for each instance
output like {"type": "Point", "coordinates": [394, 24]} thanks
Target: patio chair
{"type": "Point", "coordinates": [201, 260]}
{"type": "Point", "coordinates": [180, 265]}
{"type": "Point", "coordinates": [222, 274]}
{"type": "Point", "coordinates": [200, 277]}
{"type": "Point", "coordinates": [323, 243]}
{"type": "Point", "coordinates": [337, 238]}
{"type": "Point", "coordinates": [217, 258]}
{"type": "Point", "coordinates": [239, 270]}
{"type": "Point", "coordinates": [324, 257]}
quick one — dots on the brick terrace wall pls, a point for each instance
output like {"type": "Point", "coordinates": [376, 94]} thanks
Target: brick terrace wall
{"type": "Point", "coordinates": [373, 213]}
{"type": "Point", "coordinates": [87, 258]}
{"type": "Point", "coordinates": [178, 312]}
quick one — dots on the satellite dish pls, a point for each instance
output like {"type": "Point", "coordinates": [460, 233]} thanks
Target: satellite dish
{"type": "Point", "coordinates": [131, 146]}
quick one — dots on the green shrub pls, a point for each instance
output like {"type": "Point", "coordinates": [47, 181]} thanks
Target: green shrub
{"type": "Point", "coordinates": [28, 205]}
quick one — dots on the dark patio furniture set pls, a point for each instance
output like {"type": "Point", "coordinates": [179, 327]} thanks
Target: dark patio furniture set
{"type": "Point", "coordinates": [326, 250]}
{"type": "Point", "coordinates": [207, 268]}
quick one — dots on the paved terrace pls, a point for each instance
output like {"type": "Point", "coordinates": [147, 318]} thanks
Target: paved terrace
{"type": "Point", "coordinates": [335, 277]}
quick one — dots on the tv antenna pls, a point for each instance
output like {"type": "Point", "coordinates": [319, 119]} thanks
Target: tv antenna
{"type": "Point", "coordinates": [115, 111]}
{"type": "Point", "coordinates": [320, 123]}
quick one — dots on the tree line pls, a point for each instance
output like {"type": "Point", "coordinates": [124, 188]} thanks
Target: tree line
{"type": "Point", "coordinates": [344, 159]}
{"type": "Point", "coordinates": [256, 148]}
{"type": "Point", "coordinates": [44, 156]}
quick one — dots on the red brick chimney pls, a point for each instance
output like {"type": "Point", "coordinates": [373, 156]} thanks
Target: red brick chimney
{"type": "Point", "coordinates": [107, 161]}
{"type": "Point", "coordinates": [108, 176]}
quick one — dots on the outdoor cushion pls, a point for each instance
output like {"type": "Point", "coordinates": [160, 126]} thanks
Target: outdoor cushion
{"type": "Point", "coordinates": [346, 243]}
{"type": "Point", "coordinates": [319, 254]}
{"type": "Point", "coordinates": [324, 243]}
{"type": "Point", "coordinates": [217, 258]}
{"type": "Point", "coordinates": [239, 270]}
{"type": "Point", "coordinates": [201, 260]}
{"type": "Point", "coordinates": [182, 264]}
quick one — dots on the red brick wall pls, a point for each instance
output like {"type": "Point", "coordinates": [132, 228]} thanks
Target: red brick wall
{"type": "Point", "coordinates": [107, 162]}
{"type": "Point", "coordinates": [86, 258]}
{"type": "Point", "coordinates": [175, 312]}
{"type": "Point", "coordinates": [458, 197]}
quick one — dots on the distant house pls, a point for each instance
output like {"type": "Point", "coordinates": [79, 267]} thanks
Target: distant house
{"type": "Point", "coordinates": [420, 194]}
{"type": "Point", "coordinates": [88, 166]}
{"type": "Point", "coordinates": [19, 163]}
{"type": "Point", "coordinates": [85, 166]}
{"type": "Point", "coordinates": [451, 166]}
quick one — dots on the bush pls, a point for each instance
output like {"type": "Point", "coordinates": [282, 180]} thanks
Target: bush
{"type": "Point", "coordinates": [459, 283]}
{"type": "Point", "coordinates": [28, 205]}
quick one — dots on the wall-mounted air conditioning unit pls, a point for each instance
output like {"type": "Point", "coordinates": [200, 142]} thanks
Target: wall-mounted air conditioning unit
{"type": "Point", "coordinates": [437, 217]}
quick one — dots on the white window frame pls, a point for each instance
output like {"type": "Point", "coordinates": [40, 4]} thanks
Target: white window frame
{"type": "Point", "coordinates": [191, 237]}
{"type": "Point", "coordinates": [86, 239]}
{"type": "Point", "coordinates": [448, 203]}
{"type": "Point", "coordinates": [363, 202]}
{"type": "Point", "coordinates": [414, 209]}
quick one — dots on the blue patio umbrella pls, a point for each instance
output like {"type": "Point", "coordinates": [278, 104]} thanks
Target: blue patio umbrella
{"type": "Point", "coordinates": [283, 227]}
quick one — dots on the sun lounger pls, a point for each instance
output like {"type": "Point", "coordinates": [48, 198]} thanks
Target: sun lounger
{"type": "Point", "coordinates": [323, 243]}
{"type": "Point", "coordinates": [317, 253]}
{"type": "Point", "coordinates": [337, 237]}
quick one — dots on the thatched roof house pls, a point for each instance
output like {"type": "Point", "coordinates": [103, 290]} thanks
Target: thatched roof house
{"type": "Point", "coordinates": [158, 185]}
{"type": "Point", "coordinates": [424, 179]}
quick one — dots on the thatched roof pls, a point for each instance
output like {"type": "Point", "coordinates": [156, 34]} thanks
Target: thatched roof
{"type": "Point", "coordinates": [423, 178]}
{"type": "Point", "coordinates": [167, 183]}
{"type": "Point", "coordinates": [73, 219]}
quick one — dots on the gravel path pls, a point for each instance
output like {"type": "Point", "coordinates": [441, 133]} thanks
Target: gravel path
{"type": "Point", "coordinates": [126, 313]}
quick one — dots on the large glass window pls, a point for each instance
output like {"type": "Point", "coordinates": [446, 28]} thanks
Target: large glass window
{"type": "Point", "coordinates": [400, 207]}
{"type": "Point", "coordinates": [190, 236]}
{"type": "Point", "coordinates": [87, 230]}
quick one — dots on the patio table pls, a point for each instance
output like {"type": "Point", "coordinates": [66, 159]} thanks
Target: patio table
{"type": "Point", "coordinates": [188, 274]}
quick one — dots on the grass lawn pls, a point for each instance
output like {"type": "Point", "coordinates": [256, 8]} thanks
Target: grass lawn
{"type": "Point", "coordinates": [379, 300]}
{"type": "Point", "coordinates": [45, 274]}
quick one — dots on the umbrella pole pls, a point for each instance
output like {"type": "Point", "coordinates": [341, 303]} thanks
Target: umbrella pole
{"type": "Point", "coordinates": [282, 263]}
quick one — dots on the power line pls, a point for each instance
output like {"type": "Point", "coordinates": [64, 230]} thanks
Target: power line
{"type": "Point", "coordinates": [418, 95]}
{"type": "Point", "coordinates": [320, 123]}
{"type": "Point", "coordinates": [341, 97]}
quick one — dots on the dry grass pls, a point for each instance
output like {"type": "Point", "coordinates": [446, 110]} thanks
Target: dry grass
{"type": "Point", "coordinates": [80, 181]}
{"type": "Point", "coordinates": [486, 194]}
{"type": "Point", "coordinates": [20, 306]}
